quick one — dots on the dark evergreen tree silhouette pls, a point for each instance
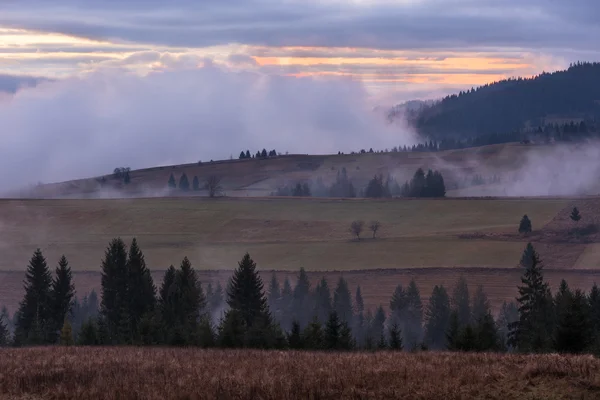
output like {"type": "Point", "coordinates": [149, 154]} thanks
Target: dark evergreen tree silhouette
{"type": "Point", "coordinates": [4, 332]}
{"type": "Point", "coordinates": [184, 183]}
{"type": "Point", "coordinates": [35, 325]}
{"type": "Point", "coordinates": [438, 318]}
{"type": "Point", "coordinates": [172, 184]}
{"type": "Point", "coordinates": [528, 256]}
{"type": "Point", "coordinates": [332, 332]}
{"type": "Point", "coordinates": [196, 184]}
{"type": "Point", "coordinates": [481, 304]}
{"type": "Point", "coordinates": [525, 225]}
{"type": "Point", "coordinates": [461, 303]}
{"type": "Point", "coordinates": [533, 331]}
{"type": "Point", "coordinates": [294, 338]}
{"type": "Point", "coordinates": [322, 297]}
{"type": "Point", "coordinates": [114, 288]}
{"type": "Point", "coordinates": [63, 293]}
{"type": "Point", "coordinates": [301, 307]}
{"type": "Point", "coordinates": [342, 301]}
{"type": "Point", "coordinates": [395, 337]}
{"type": "Point", "coordinates": [141, 292]}
{"type": "Point", "coordinates": [313, 335]}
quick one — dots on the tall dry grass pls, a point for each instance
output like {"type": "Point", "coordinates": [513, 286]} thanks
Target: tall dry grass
{"type": "Point", "coordinates": [161, 373]}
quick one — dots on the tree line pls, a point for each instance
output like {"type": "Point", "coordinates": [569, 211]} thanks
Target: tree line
{"type": "Point", "coordinates": [133, 311]}
{"type": "Point", "coordinates": [430, 184]}
{"type": "Point", "coordinates": [259, 154]}
{"type": "Point", "coordinates": [212, 184]}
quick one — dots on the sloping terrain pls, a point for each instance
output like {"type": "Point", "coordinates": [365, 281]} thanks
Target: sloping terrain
{"type": "Point", "coordinates": [260, 177]}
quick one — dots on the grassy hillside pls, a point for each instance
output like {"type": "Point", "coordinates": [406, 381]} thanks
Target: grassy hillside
{"type": "Point", "coordinates": [117, 373]}
{"type": "Point", "coordinates": [258, 177]}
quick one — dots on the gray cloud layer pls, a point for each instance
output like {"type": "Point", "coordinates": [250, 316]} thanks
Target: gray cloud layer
{"type": "Point", "coordinates": [82, 127]}
{"type": "Point", "coordinates": [10, 83]}
{"type": "Point", "coordinates": [537, 24]}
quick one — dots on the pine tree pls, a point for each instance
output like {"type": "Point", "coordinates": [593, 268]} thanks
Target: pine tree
{"type": "Point", "coordinates": [184, 183]}
{"type": "Point", "coordinates": [301, 308]}
{"type": "Point", "coordinates": [245, 295]}
{"type": "Point", "coordinates": [594, 317]}
{"type": "Point", "coordinates": [172, 184]}
{"type": "Point", "coordinates": [274, 297]}
{"type": "Point", "coordinates": [4, 332]}
{"type": "Point", "coordinates": [66, 334]}
{"type": "Point", "coordinates": [114, 288]}
{"type": "Point", "coordinates": [395, 337]}
{"type": "Point", "coordinates": [313, 335]}
{"type": "Point", "coordinates": [35, 323]}
{"type": "Point", "coordinates": [346, 341]}
{"type": "Point", "coordinates": [453, 332]}
{"type": "Point", "coordinates": [232, 330]}
{"type": "Point", "coordinates": [412, 327]}
{"type": "Point", "coordinates": [525, 225]}
{"type": "Point", "coordinates": [527, 256]}
{"type": "Point", "coordinates": [342, 301]}
{"type": "Point", "coordinates": [461, 302]}
{"type": "Point", "coordinates": [332, 332]}
{"type": "Point", "coordinates": [438, 318]}
{"type": "Point", "coordinates": [481, 304]}
{"type": "Point", "coordinates": [63, 292]}
{"type": "Point", "coordinates": [287, 299]}
{"type": "Point", "coordinates": [196, 184]}
{"type": "Point", "coordinates": [191, 302]}
{"type": "Point", "coordinates": [322, 301]}
{"type": "Point", "coordinates": [141, 292]}
{"type": "Point", "coordinates": [295, 337]}
{"type": "Point", "coordinates": [574, 333]}
{"type": "Point", "coordinates": [377, 324]}
{"type": "Point", "coordinates": [575, 215]}
{"type": "Point", "coordinates": [487, 335]}
{"type": "Point", "coordinates": [531, 333]}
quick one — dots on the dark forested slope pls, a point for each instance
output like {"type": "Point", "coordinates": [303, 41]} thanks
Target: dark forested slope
{"type": "Point", "coordinates": [515, 104]}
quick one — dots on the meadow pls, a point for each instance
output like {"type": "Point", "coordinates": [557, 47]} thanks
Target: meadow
{"type": "Point", "coordinates": [160, 373]}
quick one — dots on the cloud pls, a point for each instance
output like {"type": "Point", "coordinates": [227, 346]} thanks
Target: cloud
{"type": "Point", "coordinates": [12, 83]}
{"type": "Point", "coordinates": [425, 24]}
{"type": "Point", "coordinates": [87, 126]}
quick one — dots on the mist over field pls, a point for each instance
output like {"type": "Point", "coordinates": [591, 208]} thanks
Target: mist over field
{"type": "Point", "coordinates": [86, 126]}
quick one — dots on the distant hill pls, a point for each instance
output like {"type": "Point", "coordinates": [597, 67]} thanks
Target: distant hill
{"type": "Point", "coordinates": [515, 104]}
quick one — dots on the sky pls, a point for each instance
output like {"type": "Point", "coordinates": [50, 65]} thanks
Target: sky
{"type": "Point", "coordinates": [203, 79]}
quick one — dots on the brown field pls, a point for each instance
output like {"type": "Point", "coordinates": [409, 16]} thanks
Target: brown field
{"type": "Point", "coordinates": [160, 373]}
{"type": "Point", "coordinates": [433, 241]}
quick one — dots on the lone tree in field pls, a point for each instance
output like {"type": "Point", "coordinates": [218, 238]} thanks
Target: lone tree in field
{"type": "Point", "coordinates": [213, 185]}
{"type": "Point", "coordinates": [356, 228]}
{"type": "Point", "coordinates": [525, 225]}
{"type": "Point", "coordinates": [575, 215]}
{"type": "Point", "coordinates": [374, 226]}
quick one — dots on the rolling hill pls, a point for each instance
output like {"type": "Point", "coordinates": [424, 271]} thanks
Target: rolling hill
{"type": "Point", "coordinates": [515, 104]}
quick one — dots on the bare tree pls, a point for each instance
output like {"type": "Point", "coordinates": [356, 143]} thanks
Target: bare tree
{"type": "Point", "coordinates": [356, 228]}
{"type": "Point", "coordinates": [374, 226]}
{"type": "Point", "coordinates": [213, 185]}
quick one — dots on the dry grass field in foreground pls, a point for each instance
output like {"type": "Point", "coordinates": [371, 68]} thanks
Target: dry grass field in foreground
{"type": "Point", "coordinates": [137, 373]}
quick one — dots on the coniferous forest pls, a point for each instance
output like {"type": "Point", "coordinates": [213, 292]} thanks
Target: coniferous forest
{"type": "Point", "coordinates": [181, 311]}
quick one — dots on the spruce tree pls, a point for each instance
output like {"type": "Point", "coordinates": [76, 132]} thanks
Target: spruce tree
{"type": "Point", "coordinates": [63, 292]}
{"type": "Point", "coordinates": [287, 299]}
{"type": "Point", "coordinates": [412, 327]}
{"type": "Point", "coordinates": [172, 184]}
{"type": "Point", "coordinates": [438, 318]}
{"type": "Point", "coordinates": [184, 183]}
{"type": "Point", "coordinates": [35, 322]}
{"type": "Point", "coordinates": [525, 225]}
{"type": "Point", "coordinates": [461, 302]}
{"type": "Point", "coordinates": [322, 301]}
{"type": "Point", "coordinates": [527, 256]}
{"type": "Point", "coordinates": [196, 184]}
{"type": "Point", "coordinates": [346, 341]}
{"type": "Point", "coordinates": [66, 334]}
{"type": "Point", "coordinates": [313, 335]}
{"type": "Point", "coordinates": [573, 333]}
{"type": "Point", "coordinates": [594, 317]}
{"type": "Point", "coordinates": [453, 332]}
{"type": "Point", "coordinates": [4, 332]}
{"type": "Point", "coordinates": [274, 298]}
{"type": "Point", "coordinates": [114, 288]}
{"type": "Point", "coordinates": [191, 303]}
{"type": "Point", "coordinates": [342, 301]}
{"type": "Point", "coordinates": [141, 291]}
{"type": "Point", "coordinates": [294, 338]}
{"type": "Point", "coordinates": [378, 324]}
{"type": "Point", "coordinates": [232, 330]}
{"type": "Point", "coordinates": [301, 309]}
{"type": "Point", "coordinates": [533, 330]}
{"type": "Point", "coordinates": [332, 332]}
{"type": "Point", "coordinates": [481, 304]}
{"type": "Point", "coordinates": [395, 337]}
{"type": "Point", "coordinates": [487, 335]}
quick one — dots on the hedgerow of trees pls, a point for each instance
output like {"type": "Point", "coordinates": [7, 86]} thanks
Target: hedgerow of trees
{"type": "Point", "coordinates": [132, 310]}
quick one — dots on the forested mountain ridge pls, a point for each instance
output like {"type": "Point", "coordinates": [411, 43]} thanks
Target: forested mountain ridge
{"type": "Point", "coordinates": [515, 104]}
